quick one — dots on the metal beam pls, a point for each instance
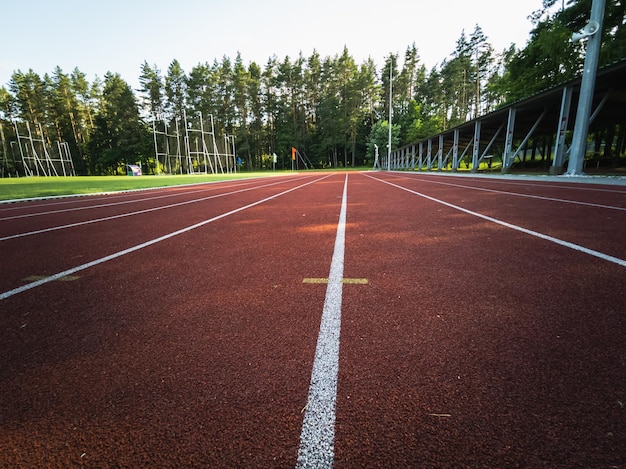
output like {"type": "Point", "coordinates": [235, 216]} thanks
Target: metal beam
{"type": "Point", "coordinates": [508, 146]}
{"type": "Point", "coordinates": [440, 153]}
{"type": "Point", "coordinates": [559, 151]}
{"type": "Point", "coordinates": [455, 150]}
{"type": "Point", "coordinates": [476, 149]}
{"type": "Point", "coordinates": [528, 135]}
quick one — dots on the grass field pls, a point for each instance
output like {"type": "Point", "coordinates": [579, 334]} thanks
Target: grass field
{"type": "Point", "coordinates": [31, 187]}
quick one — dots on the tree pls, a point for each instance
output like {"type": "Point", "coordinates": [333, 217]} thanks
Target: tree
{"type": "Point", "coordinates": [369, 91]}
{"type": "Point", "coordinates": [269, 101]}
{"type": "Point", "coordinates": [202, 90]}
{"type": "Point", "coordinates": [405, 85]}
{"type": "Point", "coordinates": [119, 136]}
{"type": "Point", "coordinates": [241, 82]}
{"type": "Point", "coordinates": [152, 90]}
{"type": "Point", "coordinates": [482, 62]}
{"type": "Point", "coordinates": [379, 136]}
{"type": "Point", "coordinates": [327, 107]}
{"type": "Point", "coordinates": [175, 91]}
{"type": "Point", "coordinates": [87, 96]}
{"type": "Point", "coordinates": [548, 59]}
{"type": "Point", "coordinates": [405, 91]}
{"type": "Point", "coordinates": [225, 113]}
{"type": "Point", "coordinates": [350, 102]}
{"type": "Point", "coordinates": [64, 113]}
{"type": "Point", "coordinates": [257, 135]}
{"type": "Point", "coordinates": [614, 33]}
{"type": "Point", "coordinates": [28, 91]}
{"type": "Point", "coordinates": [7, 104]}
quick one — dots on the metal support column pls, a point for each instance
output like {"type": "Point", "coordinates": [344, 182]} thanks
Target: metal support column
{"type": "Point", "coordinates": [559, 151]}
{"type": "Point", "coordinates": [455, 151]}
{"type": "Point", "coordinates": [440, 153]}
{"type": "Point", "coordinates": [476, 149]}
{"type": "Point", "coordinates": [528, 135]}
{"type": "Point", "coordinates": [508, 145]}
{"type": "Point", "coordinates": [420, 156]}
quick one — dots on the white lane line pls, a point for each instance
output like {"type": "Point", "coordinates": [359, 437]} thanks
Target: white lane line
{"type": "Point", "coordinates": [111, 204]}
{"type": "Point", "coordinates": [52, 200]}
{"type": "Point", "coordinates": [530, 196]}
{"type": "Point", "coordinates": [317, 447]}
{"type": "Point", "coordinates": [562, 184]}
{"type": "Point", "coordinates": [577, 247]}
{"type": "Point", "coordinates": [115, 255]}
{"type": "Point", "coordinates": [137, 212]}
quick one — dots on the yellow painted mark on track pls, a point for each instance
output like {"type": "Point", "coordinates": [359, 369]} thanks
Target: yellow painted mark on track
{"type": "Point", "coordinates": [67, 278]}
{"type": "Point", "coordinates": [345, 281]}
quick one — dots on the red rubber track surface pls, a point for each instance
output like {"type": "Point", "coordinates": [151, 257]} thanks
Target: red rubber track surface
{"type": "Point", "coordinates": [471, 345]}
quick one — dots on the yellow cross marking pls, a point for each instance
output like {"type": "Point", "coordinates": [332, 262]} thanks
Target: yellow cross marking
{"type": "Point", "coordinates": [67, 278]}
{"type": "Point", "coordinates": [350, 281]}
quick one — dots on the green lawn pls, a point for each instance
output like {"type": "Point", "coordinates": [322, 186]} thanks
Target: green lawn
{"type": "Point", "coordinates": [22, 188]}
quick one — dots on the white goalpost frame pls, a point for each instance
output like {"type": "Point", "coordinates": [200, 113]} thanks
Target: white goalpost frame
{"type": "Point", "coordinates": [195, 145]}
{"type": "Point", "coordinates": [37, 155]}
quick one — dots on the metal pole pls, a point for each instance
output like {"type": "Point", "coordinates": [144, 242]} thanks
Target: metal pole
{"type": "Point", "coordinates": [581, 127]}
{"type": "Point", "coordinates": [559, 150]}
{"type": "Point", "coordinates": [187, 144]}
{"type": "Point", "coordinates": [204, 148]}
{"type": "Point", "coordinates": [390, 111]}
{"type": "Point", "coordinates": [5, 154]}
{"type": "Point", "coordinates": [234, 156]}
{"type": "Point", "coordinates": [178, 151]}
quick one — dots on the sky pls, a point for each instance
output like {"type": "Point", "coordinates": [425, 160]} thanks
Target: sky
{"type": "Point", "coordinates": [118, 36]}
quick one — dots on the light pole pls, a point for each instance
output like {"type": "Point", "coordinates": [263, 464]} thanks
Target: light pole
{"type": "Point", "coordinates": [593, 31]}
{"type": "Point", "coordinates": [390, 111]}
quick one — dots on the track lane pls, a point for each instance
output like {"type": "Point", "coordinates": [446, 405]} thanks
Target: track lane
{"type": "Point", "coordinates": [37, 219]}
{"type": "Point", "coordinates": [594, 188]}
{"type": "Point", "coordinates": [449, 357]}
{"type": "Point", "coordinates": [458, 356]}
{"type": "Point", "coordinates": [197, 353]}
{"type": "Point", "coordinates": [51, 252]}
{"type": "Point", "coordinates": [589, 226]}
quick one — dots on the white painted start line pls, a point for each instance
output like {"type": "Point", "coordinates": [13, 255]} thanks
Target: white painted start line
{"type": "Point", "coordinates": [115, 255]}
{"type": "Point", "coordinates": [317, 439]}
{"type": "Point", "coordinates": [567, 244]}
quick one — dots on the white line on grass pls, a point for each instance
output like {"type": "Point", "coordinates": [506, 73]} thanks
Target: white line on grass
{"type": "Point", "coordinates": [317, 447]}
{"type": "Point", "coordinates": [606, 257]}
{"type": "Point", "coordinates": [73, 270]}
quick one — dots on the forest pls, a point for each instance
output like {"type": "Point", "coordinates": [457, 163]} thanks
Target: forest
{"type": "Point", "coordinates": [331, 108]}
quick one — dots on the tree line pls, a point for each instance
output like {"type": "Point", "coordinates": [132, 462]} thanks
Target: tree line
{"type": "Point", "coordinates": [331, 108]}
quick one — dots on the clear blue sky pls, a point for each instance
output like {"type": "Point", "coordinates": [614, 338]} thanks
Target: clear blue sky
{"type": "Point", "coordinates": [117, 36]}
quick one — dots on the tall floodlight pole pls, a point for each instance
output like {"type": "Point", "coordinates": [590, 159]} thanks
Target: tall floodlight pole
{"type": "Point", "coordinates": [390, 111]}
{"type": "Point", "coordinates": [593, 31]}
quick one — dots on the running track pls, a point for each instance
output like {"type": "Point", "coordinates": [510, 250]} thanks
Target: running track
{"type": "Point", "coordinates": [355, 320]}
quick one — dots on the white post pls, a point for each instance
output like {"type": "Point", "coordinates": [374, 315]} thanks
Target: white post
{"type": "Point", "coordinates": [235, 156]}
